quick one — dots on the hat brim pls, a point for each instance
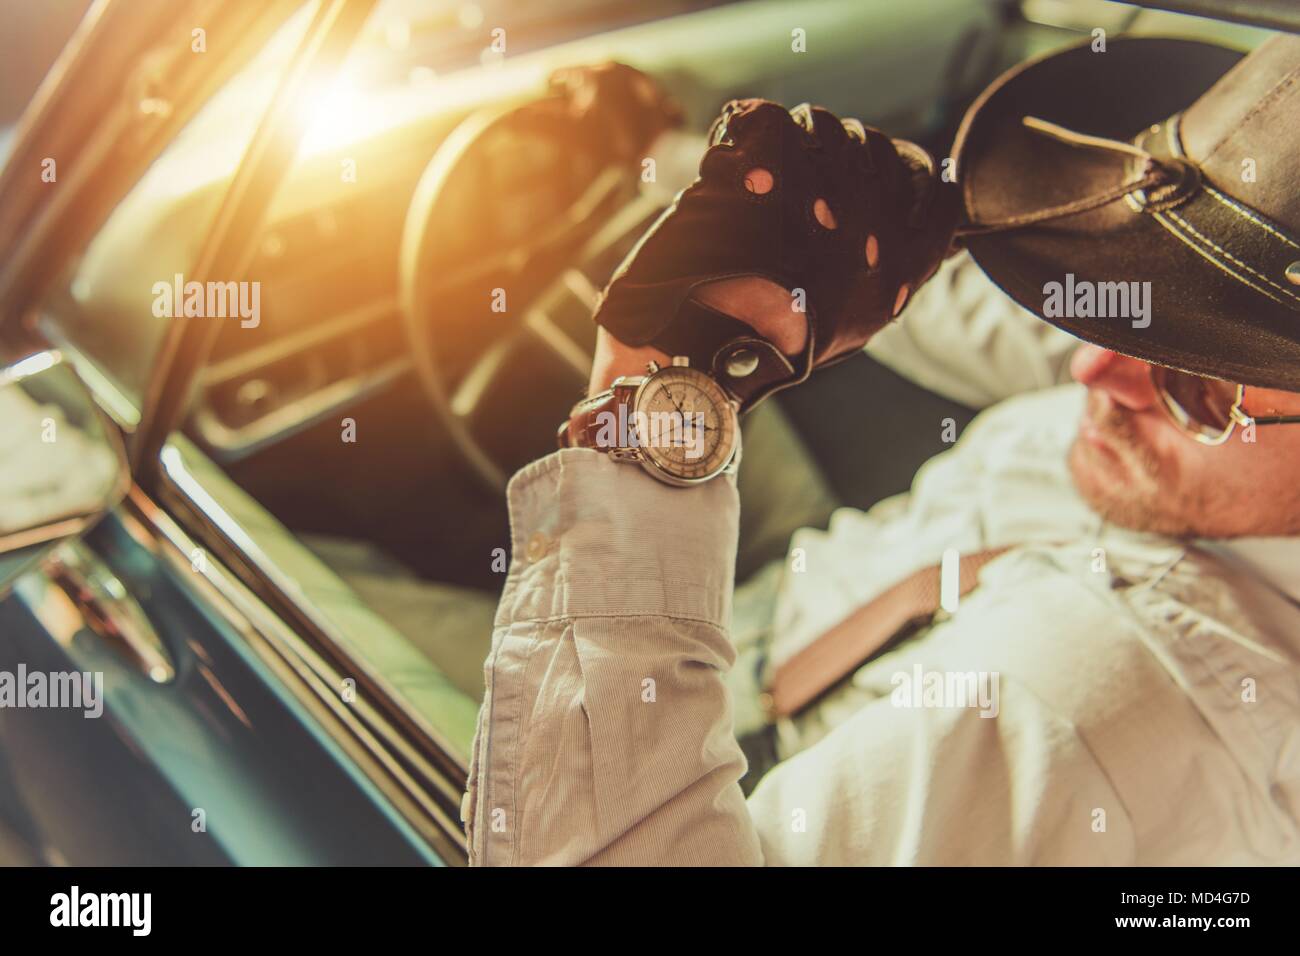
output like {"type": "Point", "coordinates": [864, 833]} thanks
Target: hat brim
{"type": "Point", "coordinates": [1198, 319]}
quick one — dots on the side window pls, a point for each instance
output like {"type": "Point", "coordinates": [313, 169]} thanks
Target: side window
{"type": "Point", "coordinates": [110, 307]}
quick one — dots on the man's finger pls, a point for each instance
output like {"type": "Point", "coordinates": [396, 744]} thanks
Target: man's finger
{"type": "Point", "coordinates": [763, 304]}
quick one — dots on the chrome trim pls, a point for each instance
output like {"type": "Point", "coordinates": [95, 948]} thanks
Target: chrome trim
{"type": "Point", "coordinates": [110, 397]}
{"type": "Point", "coordinates": [68, 525]}
{"type": "Point", "coordinates": [423, 795]}
{"type": "Point", "coordinates": [28, 366]}
{"type": "Point", "coordinates": [108, 609]}
{"type": "Point", "coordinates": [189, 486]}
{"type": "Point", "coordinates": [47, 533]}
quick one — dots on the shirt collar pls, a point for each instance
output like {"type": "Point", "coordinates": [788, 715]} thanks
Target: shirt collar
{"type": "Point", "coordinates": [1275, 560]}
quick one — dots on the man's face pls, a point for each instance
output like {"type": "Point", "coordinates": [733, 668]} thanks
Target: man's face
{"type": "Point", "coordinates": [1135, 467]}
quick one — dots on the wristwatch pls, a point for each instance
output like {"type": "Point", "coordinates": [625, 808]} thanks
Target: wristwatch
{"type": "Point", "coordinates": [675, 421]}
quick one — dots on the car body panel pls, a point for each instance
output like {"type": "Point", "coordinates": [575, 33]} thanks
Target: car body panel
{"type": "Point", "coordinates": [224, 737]}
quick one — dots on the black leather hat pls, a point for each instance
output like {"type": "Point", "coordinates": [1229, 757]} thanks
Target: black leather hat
{"type": "Point", "coordinates": [1169, 162]}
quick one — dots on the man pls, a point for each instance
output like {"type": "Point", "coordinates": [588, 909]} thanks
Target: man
{"type": "Point", "coordinates": [1121, 686]}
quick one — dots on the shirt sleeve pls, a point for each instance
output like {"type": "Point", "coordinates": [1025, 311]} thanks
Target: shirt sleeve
{"type": "Point", "coordinates": [965, 339]}
{"type": "Point", "coordinates": [605, 735]}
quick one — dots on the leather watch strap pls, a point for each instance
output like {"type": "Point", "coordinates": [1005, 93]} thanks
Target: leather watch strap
{"type": "Point", "coordinates": [848, 645]}
{"type": "Point", "coordinates": [584, 422]}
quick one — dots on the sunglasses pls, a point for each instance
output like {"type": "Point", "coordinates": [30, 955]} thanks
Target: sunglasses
{"type": "Point", "coordinates": [1207, 409]}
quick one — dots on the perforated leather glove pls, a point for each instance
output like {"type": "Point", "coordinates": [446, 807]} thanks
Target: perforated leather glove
{"type": "Point", "coordinates": [890, 223]}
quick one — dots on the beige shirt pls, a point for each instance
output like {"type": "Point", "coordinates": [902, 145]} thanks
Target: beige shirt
{"type": "Point", "coordinates": [1102, 697]}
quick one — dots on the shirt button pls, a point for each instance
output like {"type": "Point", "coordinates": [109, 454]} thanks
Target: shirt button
{"type": "Point", "coordinates": [537, 546]}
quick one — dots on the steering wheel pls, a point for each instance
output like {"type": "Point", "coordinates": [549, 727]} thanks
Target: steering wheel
{"type": "Point", "coordinates": [515, 225]}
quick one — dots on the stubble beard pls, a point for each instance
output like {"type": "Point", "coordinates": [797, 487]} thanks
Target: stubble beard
{"type": "Point", "coordinates": [1134, 489]}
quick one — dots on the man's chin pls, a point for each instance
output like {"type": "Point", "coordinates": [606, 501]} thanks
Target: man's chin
{"type": "Point", "coordinates": [1084, 469]}
{"type": "Point", "coordinates": [1110, 486]}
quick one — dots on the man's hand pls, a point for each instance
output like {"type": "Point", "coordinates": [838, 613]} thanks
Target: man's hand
{"type": "Point", "coordinates": [761, 305]}
{"type": "Point", "coordinates": [811, 231]}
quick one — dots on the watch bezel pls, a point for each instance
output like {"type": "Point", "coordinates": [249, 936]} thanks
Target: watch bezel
{"type": "Point", "coordinates": [726, 406]}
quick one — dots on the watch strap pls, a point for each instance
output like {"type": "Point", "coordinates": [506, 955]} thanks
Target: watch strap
{"type": "Point", "coordinates": [583, 425]}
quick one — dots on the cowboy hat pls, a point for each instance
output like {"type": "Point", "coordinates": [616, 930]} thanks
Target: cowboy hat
{"type": "Point", "coordinates": [1147, 199]}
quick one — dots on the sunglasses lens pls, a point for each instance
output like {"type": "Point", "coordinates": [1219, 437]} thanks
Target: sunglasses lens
{"type": "Point", "coordinates": [1205, 403]}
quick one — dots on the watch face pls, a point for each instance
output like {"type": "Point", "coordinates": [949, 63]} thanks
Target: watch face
{"type": "Point", "coordinates": [685, 426]}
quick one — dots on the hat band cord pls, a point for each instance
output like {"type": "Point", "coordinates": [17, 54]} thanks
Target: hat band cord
{"type": "Point", "coordinates": [1156, 174]}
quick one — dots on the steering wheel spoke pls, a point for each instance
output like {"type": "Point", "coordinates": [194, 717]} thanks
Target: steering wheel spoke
{"type": "Point", "coordinates": [538, 327]}
{"type": "Point", "coordinates": [478, 381]}
{"type": "Point", "coordinates": [558, 343]}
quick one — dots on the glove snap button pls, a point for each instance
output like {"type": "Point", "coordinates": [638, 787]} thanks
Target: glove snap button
{"type": "Point", "coordinates": [741, 363]}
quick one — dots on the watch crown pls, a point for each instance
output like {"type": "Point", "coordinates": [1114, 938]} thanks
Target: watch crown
{"type": "Point", "coordinates": [681, 360]}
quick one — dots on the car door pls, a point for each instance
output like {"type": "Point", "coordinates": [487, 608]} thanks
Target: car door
{"type": "Point", "coordinates": [227, 734]}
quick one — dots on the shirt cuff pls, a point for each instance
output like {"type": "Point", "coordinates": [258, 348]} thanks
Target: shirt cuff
{"type": "Point", "coordinates": [592, 537]}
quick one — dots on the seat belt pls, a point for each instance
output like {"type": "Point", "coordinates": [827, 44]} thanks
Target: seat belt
{"type": "Point", "coordinates": [837, 653]}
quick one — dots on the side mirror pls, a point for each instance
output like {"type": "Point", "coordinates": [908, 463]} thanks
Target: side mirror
{"type": "Point", "coordinates": [62, 462]}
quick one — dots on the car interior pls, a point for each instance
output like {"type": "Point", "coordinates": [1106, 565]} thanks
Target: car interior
{"type": "Point", "coordinates": [361, 433]}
